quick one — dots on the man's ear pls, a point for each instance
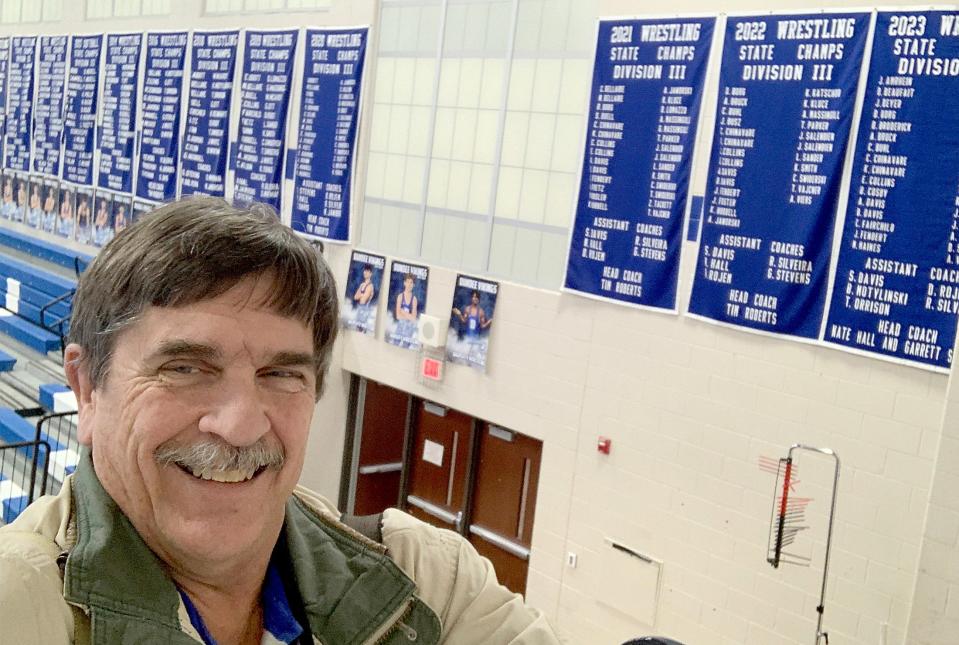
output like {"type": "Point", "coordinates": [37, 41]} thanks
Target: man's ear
{"type": "Point", "coordinates": [78, 376]}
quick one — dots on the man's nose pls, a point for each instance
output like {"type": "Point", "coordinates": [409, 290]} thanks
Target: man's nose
{"type": "Point", "coordinates": [236, 411]}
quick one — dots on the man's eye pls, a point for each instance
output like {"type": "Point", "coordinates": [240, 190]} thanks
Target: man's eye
{"type": "Point", "coordinates": [285, 380]}
{"type": "Point", "coordinates": [284, 374]}
{"type": "Point", "coordinates": [181, 369]}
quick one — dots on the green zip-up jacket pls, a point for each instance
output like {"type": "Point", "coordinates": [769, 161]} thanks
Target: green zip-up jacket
{"type": "Point", "coordinates": [74, 570]}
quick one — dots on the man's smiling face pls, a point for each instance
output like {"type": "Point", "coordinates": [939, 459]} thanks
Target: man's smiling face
{"type": "Point", "coordinates": [227, 374]}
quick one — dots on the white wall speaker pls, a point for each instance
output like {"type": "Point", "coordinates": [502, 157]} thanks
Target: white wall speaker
{"type": "Point", "coordinates": [432, 331]}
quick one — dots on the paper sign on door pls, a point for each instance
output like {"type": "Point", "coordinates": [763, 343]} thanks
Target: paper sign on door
{"type": "Point", "coordinates": [433, 452]}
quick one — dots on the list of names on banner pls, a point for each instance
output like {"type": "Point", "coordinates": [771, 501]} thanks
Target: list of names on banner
{"type": "Point", "coordinates": [162, 95]}
{"type": "Point", "coordinates": [118, 127]}
{"type": "Point", "coordinates": [48, 114]}
{"type": "Point", "coordinates": [896, 291]}
{"type": "Point", "coordinates": [627, 235]}
{"type": "Point", "coordinates": [4, 72]}
{"type": "Point", "coordinates": [264, 103]}
{"type": "Point", "coordinates": [786, 100]}
{"type": "Point", "coordinates": [83, 94]}
{"type": "Point", "coordinates": [206, 131]}
{"type": "Point", "coordinates": [23, 51]}
{"type": "Point", "coordinates": [327, 132]}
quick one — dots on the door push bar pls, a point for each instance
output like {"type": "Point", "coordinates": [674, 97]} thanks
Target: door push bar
{"type": "Point", "coordinates": [373, 469]}
{"type": "Point", "coordinates": [432, 509]}
{"type": "Point", "coordinates": [495, 539]}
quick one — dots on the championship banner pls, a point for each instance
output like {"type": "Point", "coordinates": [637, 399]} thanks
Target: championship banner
{"type": "Point", "coordinates": [203, 162]}
{"type": "Point", "coordinates": [80, 113]}
{"type": "Point", "coordinates": [48, 110]}
{"type": "Point", "coordinates": [326, 140]}
{"type": "Point", "coordinates": [119, 116]}
{"type": "Point", "coordinates": [787, 91]}
{"type": "Point", "coordinates": [265, 89]}
{"type": "Point", "coordinates": [160, 125]}
{"type": "Point", "coordinates": [17, 141]}
{"type": "Point", "coordinates": [896, 291]}
{"type": "Point", "coordinates": [627, 236]}
{"type": "Point", "coordinates": [4, 91]}
{"type": "Point", "coordinates": [362, 297]}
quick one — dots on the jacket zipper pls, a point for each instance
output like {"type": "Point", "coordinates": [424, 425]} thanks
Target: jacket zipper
{"type": "Point", "coordinates": [395, 623]}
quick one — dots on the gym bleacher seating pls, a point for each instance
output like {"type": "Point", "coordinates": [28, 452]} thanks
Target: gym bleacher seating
{"type": "Point", "coordinates": [7, 362]}
{"type": "Point", "coordinates": [14, 428]}
{"type": "Point", "coordinates": [12, 500]}
{"type": "Point", "coordinates": [26, 289]}
{"type": "Point", "coordinates": [29, 334]}
{"type": "Point", "coordinates": [44, 250]}
{"type": "Point", "coordinates": [56, 397]}
{"type": "Point", "coordinates": [36, 289]}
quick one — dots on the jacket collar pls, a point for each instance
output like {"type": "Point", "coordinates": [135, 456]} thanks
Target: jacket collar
{"type": "Point", "coordinates": [347, 586]}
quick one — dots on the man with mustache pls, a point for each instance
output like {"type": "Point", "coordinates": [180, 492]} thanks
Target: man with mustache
{"type": "Point", "coordinates": [198, 347]}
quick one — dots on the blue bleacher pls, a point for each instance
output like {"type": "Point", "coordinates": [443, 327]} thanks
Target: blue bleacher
{"type": "Point", "coordinates": [26, 289]}
{"type": "Point", "coordinates": [48, 251]}
{"type": "Point", "coordinates": [7, 362]}
{"type": "Point", "coordinates": [14, 429]}
{"type": "Point", "coordinates": [29, 334]}
{"type": "Point", "coordinates": [50, 401]}
{"type": "Point", "coordinates": [12, 500]}
{"type": "Point", "coordinates": [37, 298]}
{"type": "Point", "coordinates": [49, 283]}
{"type": "Point", "coordinates": [29, 309]}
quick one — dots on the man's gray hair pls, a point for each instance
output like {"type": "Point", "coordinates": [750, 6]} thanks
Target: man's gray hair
{"type": "Point", "coordinates": [196, 249]}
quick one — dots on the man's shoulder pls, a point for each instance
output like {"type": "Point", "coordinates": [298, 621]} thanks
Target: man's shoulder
{"type": "Point", "coordinates": [30, 545]}
{"type": "Point", "coordinates": [44, 522]}
{"type": "Point", "coordinates": [460, 585]}
{"type": "Point", "coordinates": [31, 586]}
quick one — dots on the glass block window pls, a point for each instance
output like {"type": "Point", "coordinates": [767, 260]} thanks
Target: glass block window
{"type": "Point", "coordinates": [126, 8]}
{"type": "Point", "coordinates": [26, 11]}
{"type": "Point", "coordinates": [477, 133]}
{"type": "Point", "coordinates": [237, 6]}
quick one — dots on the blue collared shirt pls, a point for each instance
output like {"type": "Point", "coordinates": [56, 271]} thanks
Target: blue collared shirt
{"type": "Point", "coordinates": [280, 627]}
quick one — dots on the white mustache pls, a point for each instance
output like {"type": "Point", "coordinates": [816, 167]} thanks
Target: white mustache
{"type": "Point", "coordinates": [217, 455]}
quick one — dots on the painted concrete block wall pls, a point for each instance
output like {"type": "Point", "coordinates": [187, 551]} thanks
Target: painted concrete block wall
{"type": "Point", "coordinates": [690, 409]}
{"type": "Point", "coordinates": [935, 610]}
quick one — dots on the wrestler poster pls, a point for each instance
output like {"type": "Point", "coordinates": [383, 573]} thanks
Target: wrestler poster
{"type": "Point", "coordinates": [471, 320]}
{"type": "Point", "coordinates": [358, 311]}
{"type": "Point", "coordinates": [406, 301]}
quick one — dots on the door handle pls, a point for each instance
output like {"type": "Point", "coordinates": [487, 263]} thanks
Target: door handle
{"type": "Point", "coordinates": [432, 509]}
{"type": "Point", "coordinates": [373, 469]}
{"type": "Point", "coordinates": [495, 539]}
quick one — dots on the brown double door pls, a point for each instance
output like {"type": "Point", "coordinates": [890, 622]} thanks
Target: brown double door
{"type": "Point", "coordinates": [450, 470]}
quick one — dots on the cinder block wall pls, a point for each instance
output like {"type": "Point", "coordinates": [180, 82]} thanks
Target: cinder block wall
{"type": "Point", "coordinates": [690, 409]}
